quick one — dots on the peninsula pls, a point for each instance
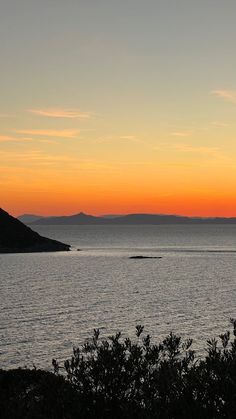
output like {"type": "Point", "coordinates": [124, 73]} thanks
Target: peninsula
{"type": "Point", "coordinates": [16, 237]}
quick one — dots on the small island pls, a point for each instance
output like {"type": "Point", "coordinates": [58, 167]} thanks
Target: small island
{"type": "Point", "coordinates": [145, 257]}
{"type": "Point", "coordinates": [16, 237]}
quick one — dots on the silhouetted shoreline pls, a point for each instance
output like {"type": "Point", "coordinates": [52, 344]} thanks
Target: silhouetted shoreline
{"type": "Point", "coordinates": [15, 237]}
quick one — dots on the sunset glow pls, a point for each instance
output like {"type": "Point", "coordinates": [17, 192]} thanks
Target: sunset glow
{"type": "Point", "coordinates": [100, 116]}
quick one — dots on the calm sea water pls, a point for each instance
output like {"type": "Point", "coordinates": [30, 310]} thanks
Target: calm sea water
{"type": "Point", "coordinates": [52, 301]}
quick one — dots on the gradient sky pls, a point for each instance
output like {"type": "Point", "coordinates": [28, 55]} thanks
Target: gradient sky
{"type": "Point", "coordinates": [118, 106]}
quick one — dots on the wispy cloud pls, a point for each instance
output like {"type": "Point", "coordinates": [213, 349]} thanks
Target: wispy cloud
{"type": "Point", "coordinates": [127, 137]}
{"type": "Point", "coordinates": [46, 141]}
{"type": "Point", "coordinates": [181, 133]}
{"type": "Point", "coordinates": [36, 158]}
{"type": "Point", "coordinates": [11, 139]}
{"type": "Point", "coordinates": [119, 138]}
{"type": "Point", "coordinates": [7, 139]}
{"type": "Point", "coordinates": [66, 133]}
{"type": "Point", "coordinates": [219, 124]}
{"type": "Point", "coordinates": [188, 148]}
{"type": "Point", "coordinates": [196, 149]}
{"type": "Point", "coordinates": [228, 95]}
{"type": "Point", "coordinates": [61, 113]}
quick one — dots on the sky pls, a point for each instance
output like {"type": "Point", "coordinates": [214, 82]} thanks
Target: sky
{"type": "Point", "coordinates": [118, 106]}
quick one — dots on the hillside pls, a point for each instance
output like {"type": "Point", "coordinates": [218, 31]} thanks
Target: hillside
{"type": "Point", "coordinates": [15, 237]}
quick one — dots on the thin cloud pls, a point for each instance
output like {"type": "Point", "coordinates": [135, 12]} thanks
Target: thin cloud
{"type": "Point", "coordinates": [61, 113]}
{"type": "Point", "coordinates": [67, 133]}
{"type": "Point", "coordinates": [127, 137]}
{"type": "Point", "coordinates": [192, 149]}
{"type": "Point", "coordinates": [228, 95]}
{"type": "Point", "coordinates": [219, 124]}
{"type": "Point", "coordinates": [35, 155]}
{"type": "Point", "coordinates": [7, 139]}
{"type": "Point", "coordinates": [38, 140]}
{"type": "Point", "coordinates": [10, 139]}
{"type": "Point", "coordinates": [181, 133]}
{"type": "Point", "coordinates": [48, 141]}
{"type": "Point", "coordinates": [37, 158]}
{"type": "Point", "coordinates": [187, 148]}
{"type": "Point", "coordinates": [123, 138]}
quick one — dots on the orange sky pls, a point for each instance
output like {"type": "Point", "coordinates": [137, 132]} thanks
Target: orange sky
{"type": "Point", "coordinates": [118, 108]}
{"type": "Point", "coordinates": [120, 175]}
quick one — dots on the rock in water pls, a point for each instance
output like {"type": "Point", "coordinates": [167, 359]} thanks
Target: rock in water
{"type": "Point", "coordinates": [16, 237]}
{"type": "Point", "coordinates": [145, 257]}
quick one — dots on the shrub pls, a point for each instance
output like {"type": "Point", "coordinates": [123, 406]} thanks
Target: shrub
{"type": "Point", "coordinates": [36, 394]}
{"type": "Point", "coordinates": [119, 378]}
{"type": "Point", "coordinates": [122, 378]}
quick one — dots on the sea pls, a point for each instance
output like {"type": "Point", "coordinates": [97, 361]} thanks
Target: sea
{"type": "Point", "coordinates": [51, 302]}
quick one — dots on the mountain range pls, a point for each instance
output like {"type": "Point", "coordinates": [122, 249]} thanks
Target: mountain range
{"type": "Point", "coordinates": [130, 219]}
{"type": "Point", "coordinates": [28, 218]}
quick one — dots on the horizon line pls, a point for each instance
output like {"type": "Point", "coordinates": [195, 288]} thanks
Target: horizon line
{"type": "Point", "coordinates": [126, 214]}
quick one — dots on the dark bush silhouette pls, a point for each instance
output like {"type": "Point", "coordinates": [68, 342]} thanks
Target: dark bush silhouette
{"type": "Point", "coordinates": [120, 378]}
{"type": "Point", "coordinates": [36, 394]}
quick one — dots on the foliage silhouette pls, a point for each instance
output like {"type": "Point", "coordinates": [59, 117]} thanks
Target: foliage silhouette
{"type": "Point", "coordinates": [122, 378]}
{"type": "Point", "coordinates": [36, 394]}
{"type": "Point", "coordinates": [119, 378]}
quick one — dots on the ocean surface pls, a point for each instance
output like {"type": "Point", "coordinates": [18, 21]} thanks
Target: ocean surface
{"type": "Point", "coordinates": [51, 302]}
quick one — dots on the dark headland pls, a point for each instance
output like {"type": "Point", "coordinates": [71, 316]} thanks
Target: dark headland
{"type": "Point", "coordinates": [16, 237]}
